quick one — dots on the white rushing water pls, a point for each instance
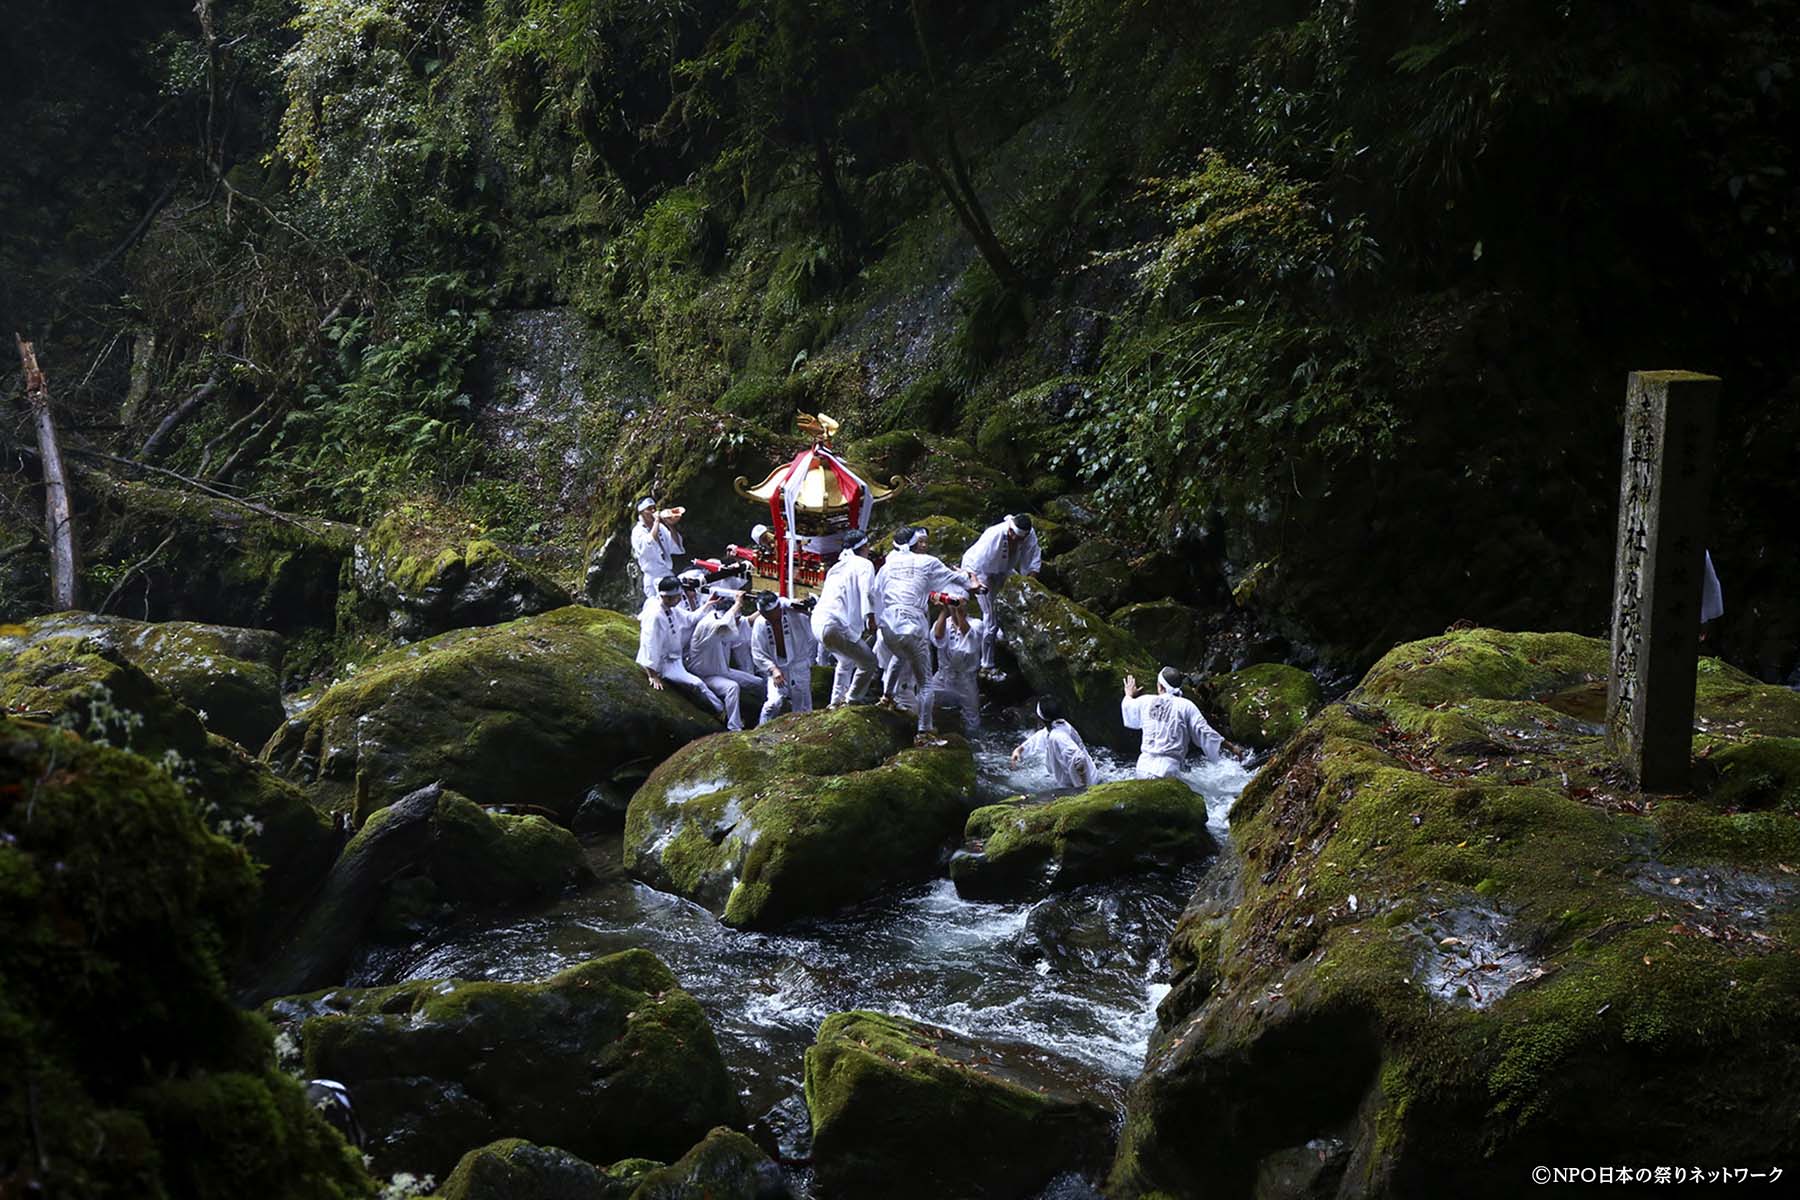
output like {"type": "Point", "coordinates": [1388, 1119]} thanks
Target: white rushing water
{"type": "Point", "coordinates": [923, 952]}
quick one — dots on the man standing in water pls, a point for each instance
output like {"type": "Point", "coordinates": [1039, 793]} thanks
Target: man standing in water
{"type": "Point", "coordinates": [958, 642]}
{"type": "Point", "coordinates": [1065, 754]}
{"type": "Point", "coordinates": [655, 543]}
{"type": "Point", "coordinates": [1172, 725]}
{"type": "Point", "coordinates": [844, 621]}
{"type": "Point", "coordinates": [1011, 546]}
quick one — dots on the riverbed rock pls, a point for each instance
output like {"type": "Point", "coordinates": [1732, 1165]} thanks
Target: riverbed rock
{"type": "Point", "coordinates": [1097, 573]}
{"type": "Point", "coordinates": [1174, 633]}
{"type": "Point", "coordinates": [604, 1060]}
{"type": "Point", "coordinates": [86, 683]}
{"type": "Point", "coordinates": [726, 1165]}
{"type": "Point", "coordinates": [423, 571]}
{"type": "Point", "coordinates": [227, 676]}
{"type": "Point", "coordinates": [1462, 946]}
{"type": "Point", "coordinates": [116, 908]}
{"type": "Point", "coordinates": [1265, 705]}
{"type": "Point", "coordinates": [417, 861]}
{"type": "Point", "coordinates": [536, 711]}
{"type": "Point", "coordinates": [798, 817]}
{"type": "Point", "coordinates": [1030, 846]}
{"type": "Point", "coordinates": [945, 478]}
{"type": "Point", "coordinates": [1067, 651]}
{"type": "Point", "coordinates": [901, 1109]}
{"type": "Point", "coordinates": [515, 1169]}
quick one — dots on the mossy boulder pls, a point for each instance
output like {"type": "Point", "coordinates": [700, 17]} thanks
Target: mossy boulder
{"type": "Point", "coordinates": [1461, 945]}
{"type": "Point", "coordinates": [130, 1073]}
{"type": "Point", "coordinates": [1098, 573]}
{"type": "Point", "coordinates": [87, 684]}
{"type": "Point", "coordinates": [425, 571]}
{"type": "Point", "coordinates": [515, 1169]}
{"type": "Point", "coordinates": [1265, 705]}
{"type": "Point", "coordinates": [227, 677]}
{"type": "Point", "coordinates": [1177, 634]}
{"type": "Point", "coordinates": [1029, 846]}
{"type": "Point", "coordinates": [902, 1109]}
{"type": "Point", "coordinates": [536, 711]}
{"type": "Point", "coordinates": [726, 1165]}
{"type": "Point", "coordinates": [798, 817]}
{"type": "Point", "coordinates": [211, 560]}
{"type": "Point", "coordinates": [1067, 651]}
{"type": "Point", "coordinates": [606, 1059]}
{"type": "Point", "coordinates": [416, 863]}
{"type": "Point", "coordinates": [945, 477]}
{"type": "Point", "coordinates": [947, 537]}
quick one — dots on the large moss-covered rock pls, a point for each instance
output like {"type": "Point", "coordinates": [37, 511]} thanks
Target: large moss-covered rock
{"type": "Point", "coordinates": [901, 1109]}
{"type": "Point", "coordinates": [798, 817]}
{"type": "Point", "coordinates": [726, 1165]}
{"type": "Point", "coordinates": [425, 572]}
{"type": "Point", "coordinates": [86, 683]}
{"type": "Point", "coordinates": [1461, 945]}
{"type": "Point", "coordinates": [1098, 573]}
{"type": "Point", "coordinates": [536, 711]}
{"type": "Point", "coordinates": [1263, 706]}
{"type": "Point", "coordinates": [202, 558]}
{"type": "Point", "coordinates": [227, 676]}
{"type": "Point", "coordinates": [945, 477]}
{"type": "Point", "coordinates": [1066, 651]}
{"type": "Point", "coordinates": [515, 1169]}
{"type": "Point", "coordinates": [607, 1059]}
{"type": "Point", "coordinates": [1176, 634]}
{"type": "Point", "coordinates": [1028, 846]}
{"type": "Point", "coordinates": [130, 1073]}
{"type": "Point", "coordinates": [419, 860]}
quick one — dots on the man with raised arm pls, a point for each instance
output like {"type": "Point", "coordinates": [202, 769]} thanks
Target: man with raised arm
{"type": "Point", "coordinates": [902, 590]}
{"type": "Point", "coordinates": [1172, 725]}
{"type": "Point", "coordinates": [663, 628]}
{"type": "Point", "coordinates": [1065, 754]}
{"type": "Point", "coordinates": [716, 631]}
{"type": "Point", "coordinates": [655, 542]}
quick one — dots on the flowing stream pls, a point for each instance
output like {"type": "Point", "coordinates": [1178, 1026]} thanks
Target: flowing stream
{"type": "Point", "coordinates": [1084, 1006]}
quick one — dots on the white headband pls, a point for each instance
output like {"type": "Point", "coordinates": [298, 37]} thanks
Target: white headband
{"type": "Point", "coordinates": [1165, 681]}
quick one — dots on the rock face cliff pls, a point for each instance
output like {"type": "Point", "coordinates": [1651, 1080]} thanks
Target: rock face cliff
{"type": "Point", "coordinates": [1458, 945]}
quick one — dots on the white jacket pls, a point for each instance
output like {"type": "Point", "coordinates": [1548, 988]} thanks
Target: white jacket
{"type": "Point", "coordinates": [1065, 754]}
{"type": "Point", "coordinates": [847, 598]}
{"type": "Point", "coordinates": [709, 650]}
{"type": "Point", "coordinates": [991, 557]}
{"type": "Point", "coordinates": [958, 656]}
{"type": "Point", "coordinates": [1171, 724]}
{"type": "Point", "coordinates": [662, 634]}
{"type": "Point", "coordinates": [904, 585]}
{"type": "Point", "coordinates": [655, 549]}
{"type": "Point", "coordinates": [797, 633]}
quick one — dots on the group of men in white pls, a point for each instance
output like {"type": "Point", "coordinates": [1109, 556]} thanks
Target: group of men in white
{"type": "Point", "coordinates": [717, 640]}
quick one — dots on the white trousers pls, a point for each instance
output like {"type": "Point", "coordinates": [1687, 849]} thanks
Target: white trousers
{"type": "Point", "coordinates": [857, 669]}
{"type": "Point", "coordinates": [966, 695]}
{"type": "Point", "coordinates": [729, 688]}
{"type": "Point", "coordinates": [990, 623]}
{"type": "Point", "coordinates": [795, 691]}
{"type": "Point", "coordinates": [1157, 766]}
{"type": "Point", "coordinates": [912, 652]}
{"type": "Point", "coordinates": [675, 672]}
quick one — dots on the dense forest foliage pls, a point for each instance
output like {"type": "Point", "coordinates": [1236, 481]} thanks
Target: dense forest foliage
{"type": "Point", "coordinates": [1322, 306]}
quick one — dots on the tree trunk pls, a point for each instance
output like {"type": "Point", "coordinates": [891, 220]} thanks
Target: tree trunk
{"type": "Point", "coordinates": [59, 518]}
{"type": "Point", "coordinates": [221, 365]}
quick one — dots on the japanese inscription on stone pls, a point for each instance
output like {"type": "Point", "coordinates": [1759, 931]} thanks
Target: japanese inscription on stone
{"type": "Point", "coordinates": [1663, 495]}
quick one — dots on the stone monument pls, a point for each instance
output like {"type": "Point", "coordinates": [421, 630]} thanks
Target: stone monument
{"type": "Point", "coordinates": [1663, 496]}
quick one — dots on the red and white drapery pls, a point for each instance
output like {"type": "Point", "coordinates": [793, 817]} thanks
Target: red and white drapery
{"type": "Point", "coordinates": [787, 495]}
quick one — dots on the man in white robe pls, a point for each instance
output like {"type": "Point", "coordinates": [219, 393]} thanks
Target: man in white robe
{"type": "Point", "coordinates": [1010, 547]}
{"type": "Point", "coordinates": [782, 647]}
{"type": "Point", "coordinates": [844, 622]}
{"type": "Point", "coordinates": [663, 628]}
{"type": "Point", "coordinates": [902, 590]}
{"type": "Point", "coordinates": [957, 640]}
{"type": "Point", "coordinates": [716, 631]}
{"type": "Point", "coordinates": [1065, 754]}
{"type": "Point", "coordinates": [1172, 726]}
{"type": "Point", "coordinates": [654, 544]}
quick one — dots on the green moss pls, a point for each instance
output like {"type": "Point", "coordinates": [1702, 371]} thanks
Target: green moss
{"type": "Point", "coordinates": [726, 1165]}
{"type": "Point", "coordinates": [116, 908]}
{"type": "Point", "coordinates": [1109, 830]}
{"type": "Point", "coordinates": [879, 1087]}
{"type": "Point", "coordinates": [515, 1169]}
{"type": "Point", "coordinates": [1067, 651]}
{"type": "Point", "coordinates": [1266, 704]}
{"type": "Point", "coordinates": [534, 711]}
{"type": "Point", "coordinates": [601, 1059]}
{"type": "Point", "coordinates": [1461, 798]}
{"type": "Point", "coordinates": [797, 817]}
{"type": "Point", "coordinates": [1173, 632]}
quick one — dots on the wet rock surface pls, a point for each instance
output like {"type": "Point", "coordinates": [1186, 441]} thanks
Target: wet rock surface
{"type": "Point", "coordinates": [1453, 924]}
{"type": "Point", "coordinates": [1067, 651]}
{"type": "Point", "coordinates": [418, 573]}
{"type": "Point", "coordinates": [901, 1108]}
{"type": "Point", "coordinates": [1032, 845]}
{"type": "Point", "coordinates": [536, 711]}
{"type": "Point", "coordinates": [798, 817]}
{"type": "Point", "coordinates": [604, 1060]}
{"type": "Point", "coordinates": [1264, 705]}
{"type": "Point", "coordinates": [228, 677]}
